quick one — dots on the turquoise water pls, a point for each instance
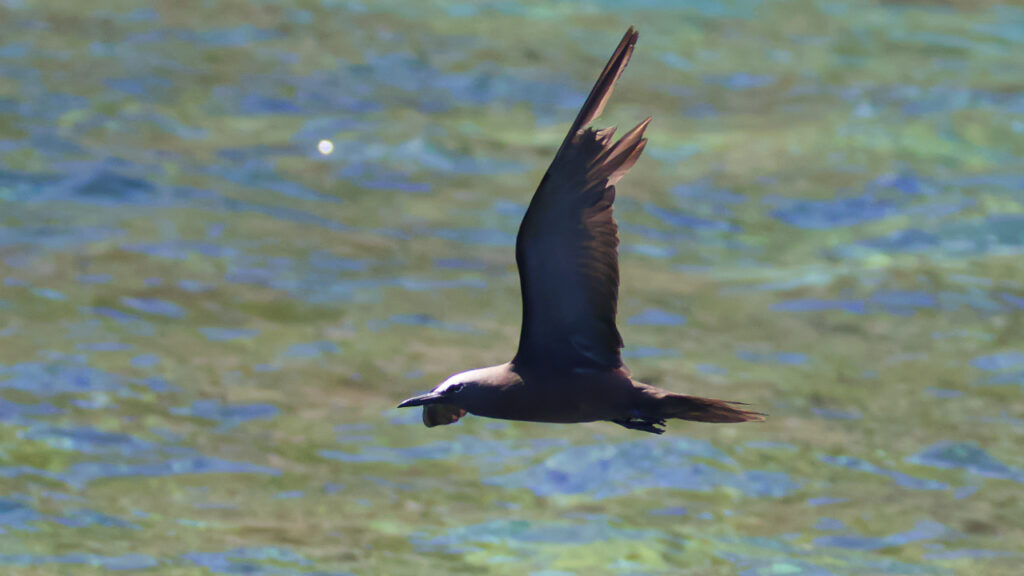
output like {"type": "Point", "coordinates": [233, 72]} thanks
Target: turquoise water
{"type": "Point", "coordinates": [205, 323]}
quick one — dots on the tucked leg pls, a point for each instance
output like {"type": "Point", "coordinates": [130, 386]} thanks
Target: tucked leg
{"type": "Point", "coordinates": [652, 425]}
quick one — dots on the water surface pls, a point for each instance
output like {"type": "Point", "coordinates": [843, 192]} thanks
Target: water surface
{"type": "Point", "coordinates": [205, 323]}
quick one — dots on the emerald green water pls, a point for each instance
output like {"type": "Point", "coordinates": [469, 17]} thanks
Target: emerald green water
{"type": "Point", "coordinates": [205, 324]}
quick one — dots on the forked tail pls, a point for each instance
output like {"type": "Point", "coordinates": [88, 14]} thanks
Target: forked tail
{"type": "Point", "coordinates": [706, 410]}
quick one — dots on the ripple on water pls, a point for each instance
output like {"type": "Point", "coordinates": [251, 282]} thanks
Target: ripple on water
{"type": "Point", "coordinates": [656, 317]}
{"type": "Point", "coordinates": [901, 478]}
{"type": "Point", "coordinates": [312, 349]}
{"type": "Point", "coordinates": [648, 352]}
{"type": "Point", "coordinates": [683, 220]}
{"type": "Point", "coordinates": [17, 515]}
{"type": "Point", "coordinates": [82, 474]}
{"type": "Point", "coordinates": [999, 361]}
{"type": "Point", "coordinates": [785, 358]}
{"type": "Point", "coordinates": [19, 413]}
{"type": "Point", "coordinates": [421, 320]}
{"type": "Point", "coordinates": [924, 530]}
{"type": "Point", "coordinates": [88, 440]}
{"type": "Point", "coordinates": [214, 334]}
{"type": "Point", "coordinates": [154, 306]}
{"type": "Point", "coordinates": [524, 535]}
{"type": "Point", "coordinates": [126, 562]}
{"type": "Point", "coordinates": [228, 415]}
{"type": "Point", "coordinates": [966, 456]}
{"type": "Point", "coordinates": [65, 377]}
{"type": "Point", "coordinates": [266, 561]}
{"type": "Point", "coordinates": [998, 233]}
{"type": "Point", "coordinates": [833, 213]}
{"type": "Point", "coordinates": [606, 470]}
{"type": "Point", "coordinates": [480, 450]}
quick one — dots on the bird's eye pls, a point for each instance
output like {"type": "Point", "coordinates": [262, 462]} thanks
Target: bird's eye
{"type": "Point", "coordinates": [454, 388]}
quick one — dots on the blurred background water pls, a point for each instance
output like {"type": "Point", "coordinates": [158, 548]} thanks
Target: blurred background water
{"type": "Point", "coordinates": [205, 323]}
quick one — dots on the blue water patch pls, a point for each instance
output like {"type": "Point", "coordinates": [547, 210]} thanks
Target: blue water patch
{"type": "Point", "coordinates": [711, 369]}
{"type": "Point", "coordinates": [312, 349]}
{"type": "Point", "coordinates": [704, 192]}
{"type": "Point", "coordinates": [247, 560]}
{"type": "Point", "coordinates": [154, 307]}
{"type": "Point", "coordinates": [819, 305]}
{"type": "Point", "coordinates": [996, 233]}
{"type": "Point", "coordinates": [669, 511]}
{"type": "Point", "coordinates": [999, 361]}
{"type": "Point", "coordinates": [214, 334]}
{"type": "Point", "coordinates": [966, 456]}
{"type": "Point", "coordinates": [833, 414]}
{"type": "Point", "coordinates": [87, 440]}
{"type": "Point", "coordinates": [656, 317]}
{"type": "Point", "coordinates": [785, 358]}
{"type": "Point", "coordinates": [19, 413]}
{"type": "Point", "coordinates": [835, 213]}
{"type": "Point", "coordinates": [86, 517]}
{"type": "Point", "coordinates": [81, 474]}
{"type": "Point", "coordinates": [182, 249]}
{"type": "Point", "coordinates": [145, 360]}
{"type": "Point", "coordinates": [826, 524]}
{"type": "Point", "coordinates": [650, 250]}
{"type": "Point", "coordinates": [113, 314]}
{"type": "Point", "coordinates": [897, 302]}
{"type": "Point", "coordinates": [683, 220]}
{"type": "Point", "coordinates": [88, 279]}
{"type": "Point", "coordinates": [64, 377]}
{"type": "Point", "coordinates": [607, 470]}
{"type": "Point", "coordinates": [323, 260]}
{"type": "Point", "coordinates": [227, 414]}
{"type": "Point", "coordinates": [148, 87]}
{"type": "Point", "coordinates": [49, 294]}
{"type": "Point", "coordinates": [17, 515]}
{"type": "Point", "coordinates": [125, 562]}
{"type": "Point", "coordinates": [524, 535]}
{"type": "Point", "coordinates": [428, 285]}
{"type": "Point", "coordinates": [903, 302]}
{"type": "Point", "coordinates": [777, 567]}
{"type": "Point", "coordinates": [289, 495]}
{"type": "Point", "coordinates": [924, 530]}
{"type": "Point", "coordinates": [103, 346]}
{"type": "Point", "coordinates": [327, 128]}
{"type": "Point", "coordinates": [475, 236]}
{"type": "Point", "coordinates": [900, 478]}
{"type": "Point", "coordinates": [968, 553]}
{"type": "Point", "coordinates": [648, 352]}
{"type": "Point", "coordinates": [421, 320]}
{"type": "Point", "coordinates": [417, 154]}
{"type": "Point", "coordinates": [460, 264]}
{"type": "Point", "coordinates": [1013, 300]}
{"type": "Point", "coordinates": [480, 450]}
{"type": "Point", "coordinates": [252, 169]}
{"type": "Point", "coordinates": [374, 177]}
{"type": "Point", "coordinates": [825, 501]}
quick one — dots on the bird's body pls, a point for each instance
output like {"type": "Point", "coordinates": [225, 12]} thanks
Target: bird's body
{"type": "Point", "coordinates": [568, 367]}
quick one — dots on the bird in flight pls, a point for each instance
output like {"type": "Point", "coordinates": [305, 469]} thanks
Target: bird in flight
{"type": "Point", "coordinates": [568, 367]}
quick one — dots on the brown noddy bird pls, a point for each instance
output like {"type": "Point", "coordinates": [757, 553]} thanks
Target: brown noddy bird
{"type": "Point", "coordinates": [568, 367]}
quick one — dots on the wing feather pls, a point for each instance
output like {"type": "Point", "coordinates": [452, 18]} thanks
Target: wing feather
{"type": "Point", "coordinates": [567, 246]}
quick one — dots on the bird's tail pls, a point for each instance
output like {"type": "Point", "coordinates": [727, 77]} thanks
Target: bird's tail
{"type": "Point", "coordinates": [706, 410]}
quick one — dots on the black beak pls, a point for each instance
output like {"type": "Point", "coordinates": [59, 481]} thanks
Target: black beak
{"type": "Point", "coordinates": [423, 400]}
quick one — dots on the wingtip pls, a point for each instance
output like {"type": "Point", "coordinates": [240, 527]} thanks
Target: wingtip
{"type": "Point", "coordinates": [602, 89]}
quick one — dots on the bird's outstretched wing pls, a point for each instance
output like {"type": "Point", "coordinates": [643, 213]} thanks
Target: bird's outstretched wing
{"type": "Point", "coordinates": [567, 247]}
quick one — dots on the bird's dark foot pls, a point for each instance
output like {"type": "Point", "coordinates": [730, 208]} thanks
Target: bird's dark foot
{"type": "Point", "coordinates": [652, 425]}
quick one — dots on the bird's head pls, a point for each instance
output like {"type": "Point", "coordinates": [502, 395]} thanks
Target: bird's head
{"type": "Point", "coordinates": [449, 401]}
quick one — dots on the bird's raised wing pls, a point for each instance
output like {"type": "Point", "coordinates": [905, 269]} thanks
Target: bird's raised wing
{"type": "Point", "coordinates": [567, 247]}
